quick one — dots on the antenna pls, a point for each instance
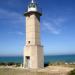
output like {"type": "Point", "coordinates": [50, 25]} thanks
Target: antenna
{"type": "Point", "coordinates": [32, 1]}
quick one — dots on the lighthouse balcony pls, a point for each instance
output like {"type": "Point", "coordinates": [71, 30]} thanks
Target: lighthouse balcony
{"type": "Point", "coordinates": [33, 10]}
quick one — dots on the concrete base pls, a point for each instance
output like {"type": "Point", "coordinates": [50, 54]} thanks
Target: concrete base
{"type": "Point", "coordinates": [33, 56]}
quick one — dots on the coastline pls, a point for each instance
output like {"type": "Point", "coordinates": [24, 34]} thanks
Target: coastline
{"type": "Point", "coordinates": [47, 59]}
{"type": "Point", "coordinates": [51, 68]}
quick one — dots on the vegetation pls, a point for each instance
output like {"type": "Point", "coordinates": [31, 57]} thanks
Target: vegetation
{"type": "Point", "coordinates": [61, 63]}
{"type": "Point", "coordinates": [56, 63]}
{"type": "Point", "coordinates": [45, 65]}
{"type": "Point", "coordinates": [3, 64]}
{"type": "Point", "coordinates": [10, 64]}
{"type": "Point", "coordinates": [72, 72]}
{"type": "Point", "coordinates": [7, 71]}
{"type": "Point", "coordinates": [18, 64]}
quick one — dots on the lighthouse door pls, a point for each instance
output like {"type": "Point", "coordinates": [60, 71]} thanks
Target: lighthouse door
{"type": "Point", "coordinates": [27, 61]}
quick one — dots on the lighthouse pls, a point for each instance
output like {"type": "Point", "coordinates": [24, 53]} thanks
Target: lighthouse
{"type": "Point", "coordinates": [33, 50]}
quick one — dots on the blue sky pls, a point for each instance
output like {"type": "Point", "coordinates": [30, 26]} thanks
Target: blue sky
{"type": "Point", "coordinates": [57, 26]}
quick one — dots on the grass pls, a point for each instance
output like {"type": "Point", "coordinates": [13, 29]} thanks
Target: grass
{"type": "Point", "coordinates": [62, 64]}
{"type": "Point", "coordinates": [10, 64]}
{"type": "Point", "coordinates": [19, 71]}
{"type": "Point", "coordinates": [7, 71]}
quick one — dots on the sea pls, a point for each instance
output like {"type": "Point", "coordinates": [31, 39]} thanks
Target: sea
{"type": "Point", "coordinates": [47, 59]}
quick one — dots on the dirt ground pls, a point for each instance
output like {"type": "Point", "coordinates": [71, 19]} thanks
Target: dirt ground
{"type": "Point", "coordinates": [50, 70]}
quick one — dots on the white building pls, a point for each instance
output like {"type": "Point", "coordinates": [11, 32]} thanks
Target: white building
{"type": "Point", "coordinates": [33, 51]}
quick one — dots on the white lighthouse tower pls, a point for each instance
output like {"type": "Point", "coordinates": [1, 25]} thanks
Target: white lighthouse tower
{"type": "Point", "coordinates": [33, 51]}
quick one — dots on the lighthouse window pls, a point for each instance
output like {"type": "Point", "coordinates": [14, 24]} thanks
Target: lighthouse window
{"type": "Point", "coordinates": [28, 42]}
{"type": "Point", "coordinates": [32, 5]}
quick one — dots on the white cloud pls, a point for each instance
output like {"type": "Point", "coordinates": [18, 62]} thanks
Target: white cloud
{"type": "Point", "coordinates": [54, 25]}
{"type": "Point", "coordinates": [20, 33]}
{"type": "Point", "coordinates": [11, 17]}
{"type": "Point", "coordinates": [12, 20]}
{"type": "Point", "coordinates": [51, 28]}
{"type": "Point", "coordinates": [16, 33]}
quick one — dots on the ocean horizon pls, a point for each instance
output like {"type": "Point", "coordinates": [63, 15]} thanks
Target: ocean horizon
{"type": "Point", "coordinates": [47, 58]}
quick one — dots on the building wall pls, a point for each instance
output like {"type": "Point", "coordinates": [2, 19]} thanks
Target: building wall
{"type": "Point", "coordinates": [33, 47]}
{"type": "Point", "coordinates": [32, 30]}
{"type": "Point", "coordinates": [36, 56]}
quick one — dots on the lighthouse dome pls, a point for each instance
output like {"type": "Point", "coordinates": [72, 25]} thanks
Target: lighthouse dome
{"type": "Point", "coordinates": [32, 6]}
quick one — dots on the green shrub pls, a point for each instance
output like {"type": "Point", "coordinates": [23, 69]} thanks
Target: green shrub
{"type": "Point", "coordinates": [18, 64]}
{"type": "Point", "coordinates": [11, 63]}
{"type": "Point", "coordinates": [3, 64]}
{"type": "Point", "coordinates": [72, 72]}
{"type": "Point", "coordinates": [50, 64]}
